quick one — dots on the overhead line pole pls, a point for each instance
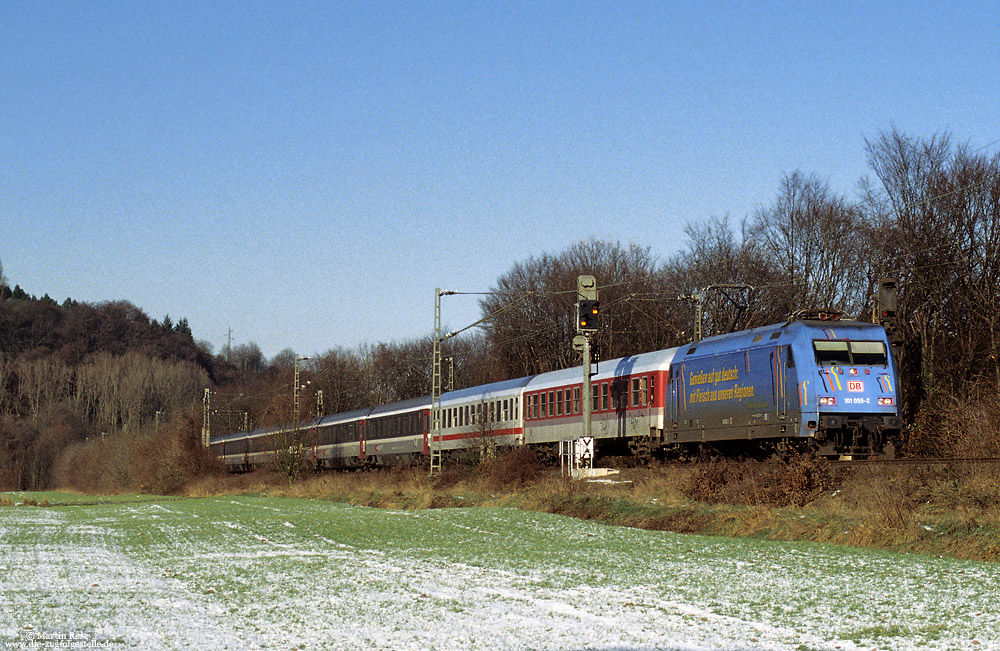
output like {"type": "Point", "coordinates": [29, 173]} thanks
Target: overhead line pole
{"type": "Point", "coordinates": [435, 444]}
{"type": "Point", "coordinates": [206, 422]}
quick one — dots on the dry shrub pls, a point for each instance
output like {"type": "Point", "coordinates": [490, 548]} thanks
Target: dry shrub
{"type": "Point", "coordinates": [97, 465]}
{"type": "Point", "coordinates": [771, 483]}
{"type": "Point", "coordinates": [160, 463]}
{"type": "Point", "coordinates": [165, 463]}
{"type": "Point", "coordinates": [948, 426]}
{"type": "Point", "coordinates": [512, 468]}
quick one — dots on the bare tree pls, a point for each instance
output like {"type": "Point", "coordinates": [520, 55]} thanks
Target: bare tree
{"type": "Point", "coordinates": [811, 237]}
{"type": "Point", "coordinates": [714, 256]}
{"type": "Point", "coordinates": [936, 224]}
{"type": "Point", "coordinates": [530, 318]}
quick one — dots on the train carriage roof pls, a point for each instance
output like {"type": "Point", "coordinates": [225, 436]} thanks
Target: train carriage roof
{"type": "Point", "coordinates": [495, 390]}
{"type": "Point", "coordinates": [622, 367]}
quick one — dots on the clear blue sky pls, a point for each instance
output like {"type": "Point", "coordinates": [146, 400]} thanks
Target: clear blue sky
{"type": "Point", "coordinates": [308, 173]}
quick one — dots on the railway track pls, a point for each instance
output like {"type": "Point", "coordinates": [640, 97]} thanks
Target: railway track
{"type": "Point", "coordinates": [920, 461]}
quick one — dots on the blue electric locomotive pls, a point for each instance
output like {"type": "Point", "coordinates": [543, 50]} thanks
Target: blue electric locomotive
{"type": "Point", "coordinates": [830, 383]}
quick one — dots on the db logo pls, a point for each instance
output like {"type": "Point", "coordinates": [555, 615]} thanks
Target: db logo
{"type": "Point", "coordinates": [855, 385]}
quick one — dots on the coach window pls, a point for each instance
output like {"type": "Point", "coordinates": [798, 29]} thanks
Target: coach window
{"type": "Point", "coordinates": [567, 405]}
{"type": "Point", "coordinates": [545, 404]}
{"type": "Point", "coordinates": [595, 395]}
{"type": "Point", "coordinates": [604, 395]}
{"type": "Point", "coordinates": [576, 400]}
{"type": "Point", "coordinates": [636, 391]}
{"type": "Point", "coordinates": [552, 400]}
{"type": "Point", "coordinates": [559, 402]}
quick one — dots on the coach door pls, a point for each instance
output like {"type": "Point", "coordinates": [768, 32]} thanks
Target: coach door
{"type": "Point", "coordinates": [362, 431]}
{"type": "Point", "coordinates": [779, 362]}
{"type": "Point", "coordinates": [673, 396]}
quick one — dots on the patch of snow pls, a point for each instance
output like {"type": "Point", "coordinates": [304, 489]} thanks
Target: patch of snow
{"type": "Point", "coordinates": [315, 575]}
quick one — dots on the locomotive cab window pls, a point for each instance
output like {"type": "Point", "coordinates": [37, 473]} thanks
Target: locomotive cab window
{"type": "Point", "coordinates": [853, 353]}
{"type": "Point", "coordinates": [831, 352]}
{"type": "Point", "coordinates": [868, 353]}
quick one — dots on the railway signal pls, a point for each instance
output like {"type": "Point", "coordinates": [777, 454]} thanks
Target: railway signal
{"type": "Point", "coordinates": [887, 300]}
{"type": "Point", "coordinates": [589, 315]}
{"type": "Point", "coordinates": [887, 307]}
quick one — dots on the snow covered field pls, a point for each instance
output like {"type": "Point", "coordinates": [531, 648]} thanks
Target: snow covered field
{"type": "Point", "coordinates": [263, 573]}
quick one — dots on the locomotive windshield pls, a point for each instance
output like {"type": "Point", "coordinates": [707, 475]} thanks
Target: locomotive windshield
{"type": "Point", "coordinates": [850, 353]}
{"type": "Point", "coordinates": [868, 353]}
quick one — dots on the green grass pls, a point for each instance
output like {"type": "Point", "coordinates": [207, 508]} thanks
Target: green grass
{"type": "Point", "coordinates": [285, 570]}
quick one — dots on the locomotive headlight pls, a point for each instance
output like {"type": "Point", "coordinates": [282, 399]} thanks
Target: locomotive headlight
{"type": "Point", "coordinates": [827, 401]}
{"type": "Point", "coordinates": [886, 402]}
